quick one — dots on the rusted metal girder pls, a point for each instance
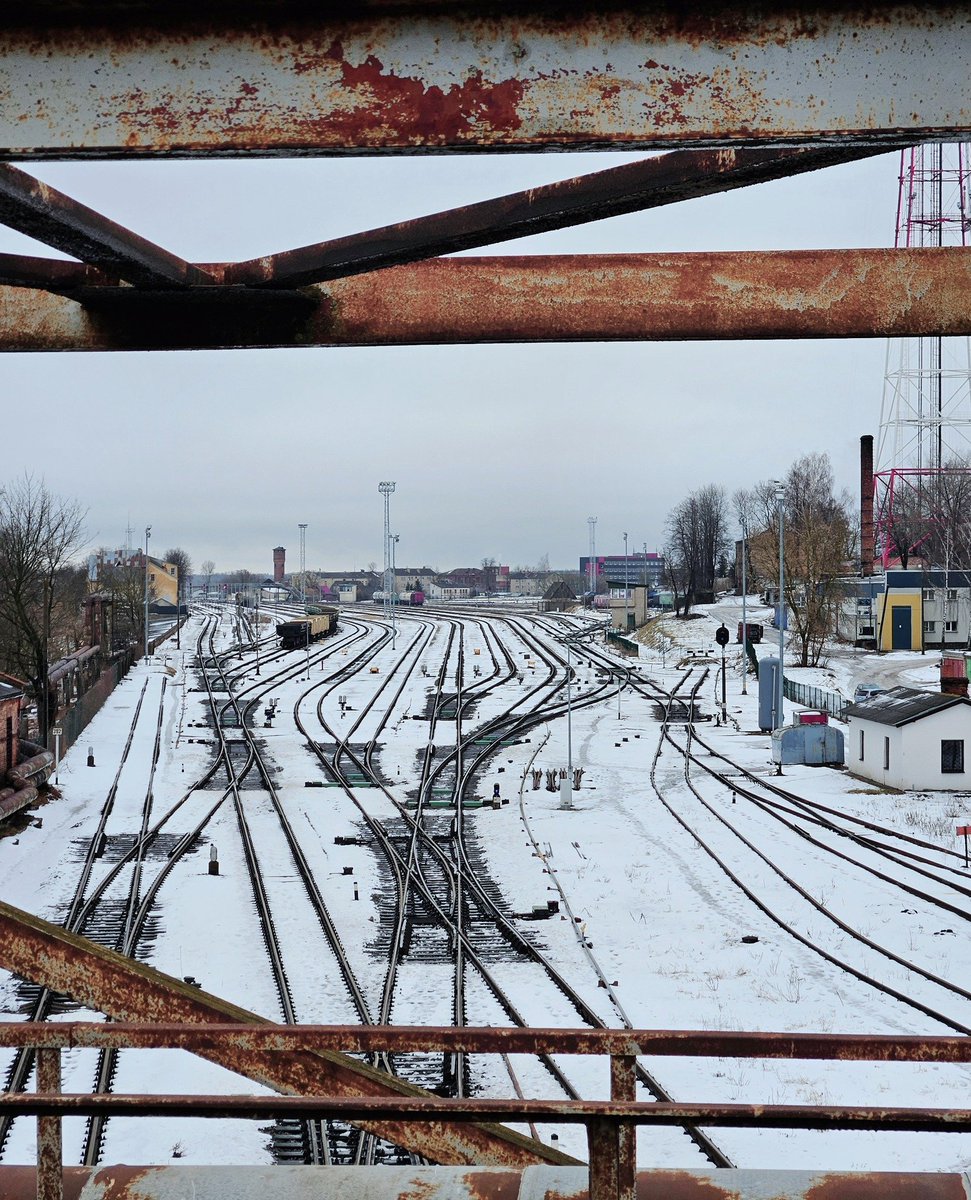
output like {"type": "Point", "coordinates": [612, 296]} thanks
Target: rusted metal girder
{"type": "Point", "coordinates": [451, 1183]}
{"type": "Point", "coordinates": [295, 79]}
{"type": "Point", "coordinates": [432, 1111]}
{"type": "Point", "coordinates": [407, 1039]}
{"type": "Point", "coordinates": [111, 983]}
{"type": "Point", "coordinates": [563, 298]}
{"type": "Point", "coordinates": [43, 213]}
{"type": "Point", "coordinates": [666, 179]}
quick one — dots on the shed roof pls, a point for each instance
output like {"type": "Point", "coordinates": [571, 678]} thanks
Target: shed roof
{"type": "Point", "coordinates": [902, 705]}
{"type": "Point", "coordinates": [8, 691]}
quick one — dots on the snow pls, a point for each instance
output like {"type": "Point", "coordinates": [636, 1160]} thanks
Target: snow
{"type": "Point", "coordinates": [650, 922]}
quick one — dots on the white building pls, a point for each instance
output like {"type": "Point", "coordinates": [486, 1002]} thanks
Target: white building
{"type": "Point", "coordinates": [912, 740]}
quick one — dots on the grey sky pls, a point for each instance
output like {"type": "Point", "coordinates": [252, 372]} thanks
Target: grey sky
{"type": "Point", "coordinates": [500, 451]}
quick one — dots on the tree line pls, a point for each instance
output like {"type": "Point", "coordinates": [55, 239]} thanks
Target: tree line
{"type": "Point", "coordinates": [44, 585]}
{"type": "Point", "coordinates": [819, 543]}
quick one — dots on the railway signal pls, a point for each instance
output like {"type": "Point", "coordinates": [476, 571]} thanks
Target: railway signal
{"type": "Point", "coordinates": [721, 637]}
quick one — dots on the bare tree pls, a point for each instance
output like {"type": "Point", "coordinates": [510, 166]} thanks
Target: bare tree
{"type": "Point", "coordinates": [818, 544]}
{"type": "Point", "coordinates": [124, 582]}
{"type": "Point", "coordinates": [207, 569]}
{"type": "Point", "coordinates": [697, 534]}
{"type": "Point", "coordinates": [488, 574]}
{"type": "Point", "coordinates": [183, 565]}
{"type": "Point", "coordinates": [39, 534]}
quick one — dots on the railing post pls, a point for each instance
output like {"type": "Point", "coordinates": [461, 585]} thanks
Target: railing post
{"type": "Point", "coordinates": [49, 1155]}
{"type": "Point", "coordinates": [613, 1143]}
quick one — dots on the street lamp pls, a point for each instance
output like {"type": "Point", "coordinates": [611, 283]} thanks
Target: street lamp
{"type": "Point", "coordinates": [394, 592]}
{"type": "Point", "coordinates": [744, 524]}
{"type": "Point", "coordinates": [148, 534]}
{"type": "Point", "coordinates": [780, 495]}
{"type": "Point", "coordinates": [570, 642]}
{"type": "Point", "coordinates": [626, 588]}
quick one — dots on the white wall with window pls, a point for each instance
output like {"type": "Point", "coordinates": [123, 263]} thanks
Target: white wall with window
{"type": "Point", "coordinates": [929, 751]}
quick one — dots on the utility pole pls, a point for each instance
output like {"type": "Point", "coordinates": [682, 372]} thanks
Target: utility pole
{"type": "Point", "coordinates": [592, 570]}
{"type": "Point", "coordinates": [626, 587]}
{"type": "Point", "coordinates": [148, 534]}
{"type": "Point", "coordinates": [386, 488]}
{"type": "Point", "coordinates": [303, 563]}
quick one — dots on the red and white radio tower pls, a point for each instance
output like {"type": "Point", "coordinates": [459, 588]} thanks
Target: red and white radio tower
{"type": "Point", "coordinates": [925, 418]}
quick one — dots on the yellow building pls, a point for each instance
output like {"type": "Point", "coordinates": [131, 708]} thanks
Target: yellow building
{"type": "Point", "coordinates": [163, 580]}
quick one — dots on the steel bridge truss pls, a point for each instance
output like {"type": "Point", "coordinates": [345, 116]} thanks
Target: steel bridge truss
{"type": "Point", "coordinates": [756, 93]}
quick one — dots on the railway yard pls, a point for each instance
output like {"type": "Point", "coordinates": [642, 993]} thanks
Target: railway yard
{"type": "Point", "coordinates": [370, 830]}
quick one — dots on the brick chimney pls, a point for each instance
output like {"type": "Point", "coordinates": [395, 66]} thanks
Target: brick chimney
{"type": "Point", "coordinates": [280, 562]}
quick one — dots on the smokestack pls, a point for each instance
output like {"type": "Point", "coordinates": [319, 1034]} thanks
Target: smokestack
{"type": "Point", "coordinates": [280, 562]}
{"type": "Point", "coordinates": [866, 505]}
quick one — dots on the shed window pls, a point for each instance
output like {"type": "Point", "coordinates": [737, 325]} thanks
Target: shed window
{"type": "Point", "coordinates": [952, 593]}
{"type": "Point", "coordinates": [930, 626]}
{"type": "Point", "coordinates": [950, 626]}
{"type": "Point", "coordinates": [952, 756]}
{"type": "Point", "coordinates": [886, 754]}
{"type": "Point", "coordinates": [862, 735]}
{"type": "Point", "coordinates": [927, 594]}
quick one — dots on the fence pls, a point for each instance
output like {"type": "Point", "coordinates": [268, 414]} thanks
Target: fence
{"type": "Point", "coordinates": [814, 697]}
{"type": "Point", "coordinates": [610, 1124]}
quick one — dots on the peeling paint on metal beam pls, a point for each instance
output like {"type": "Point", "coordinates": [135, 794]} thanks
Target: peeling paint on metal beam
{"type": "Point", "coordinates": [452, 1183]}
{"type": "Point", "coordinates": [563, 298]}
{"type": "Point", "coordinates": [454, 80]}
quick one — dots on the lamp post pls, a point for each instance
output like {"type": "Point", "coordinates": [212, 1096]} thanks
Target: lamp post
{"type": "Point", "coordinates": [780, 494]}
{"type": "Point", "coordinates": [571, 641]}
{"type": "Point", "coordinates": [258, 629]}
{"type": "Point", "coordinates": [148, 534]}
{"type": "Point", "coordinates": [744, 524]}
{"type": "Point", "coordinates": [394, 592]}
{"type": "Point", "coordinates": [626, 588]}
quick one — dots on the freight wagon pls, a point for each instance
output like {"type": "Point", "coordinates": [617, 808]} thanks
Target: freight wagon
{"type": "Point", "coordinates": [303, 630]}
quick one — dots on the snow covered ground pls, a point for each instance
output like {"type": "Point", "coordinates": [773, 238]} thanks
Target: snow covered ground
{"type": "Point", "coordinates": [644, 906]}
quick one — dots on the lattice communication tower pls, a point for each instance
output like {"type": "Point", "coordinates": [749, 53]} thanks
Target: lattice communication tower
{"type": "Point", "coordinates": [925, 418]}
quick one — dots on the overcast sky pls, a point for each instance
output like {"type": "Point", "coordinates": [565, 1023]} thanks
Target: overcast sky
{"type": "Point", "coordinates": [496, 451]}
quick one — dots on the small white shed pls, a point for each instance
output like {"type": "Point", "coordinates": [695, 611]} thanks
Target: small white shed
{"type": "Point", "coordinates": [912, 740]}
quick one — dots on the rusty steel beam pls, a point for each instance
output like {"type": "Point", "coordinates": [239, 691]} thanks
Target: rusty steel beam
{"type": "Point", "coordinates": [564, 298]}
{"type": "Point", "coordinates": [406, 1039]}
{"type": "Point", "coordinates": [300, 79]}
{"type": "Point", "coordinates": [441, 1183]}
{"type": "Point", "coordinates": [433, 1112]}
{"type": "Point", "coordinates": [47, 215]}
{"type": "Point", "coordinates": [668, 179]}
{"type": "Point", "coordinates": [120, 987]}
{"type": "Point", "coordinates": [50, 274]}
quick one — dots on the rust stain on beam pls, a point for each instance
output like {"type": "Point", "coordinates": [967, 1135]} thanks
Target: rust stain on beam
{"type": "Point", "coordinates": [417, 1113]}
{"type": "Point", "coordinates": [452, 78]}
{"type": "Point", "coordinates": [403, 1039]}
{"type": "Point", "coordinates": [562, 298]}
{"type": "Point", "coordinates": [667, 179]}
{"type": "Point", "coordinates": [391, 1183]}
{"type": "Point", "coordinates": [111, 983]}
{"type": "Point", "coordinates": [40, 211]}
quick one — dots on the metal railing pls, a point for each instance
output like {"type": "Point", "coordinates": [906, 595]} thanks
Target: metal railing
{"type": "Point", "coordinates": [610, 1124]}
{"type": "Point", "coordinates": [814, 697]}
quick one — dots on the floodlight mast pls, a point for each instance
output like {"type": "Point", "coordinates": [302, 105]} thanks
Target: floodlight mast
{"type": "Point", "coordinates": [386, 488]}
{"type": "Point", "coordinates": [303, 563]}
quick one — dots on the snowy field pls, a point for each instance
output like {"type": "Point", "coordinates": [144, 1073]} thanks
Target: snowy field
{"type": "Point", "coordinates": [650, 923]}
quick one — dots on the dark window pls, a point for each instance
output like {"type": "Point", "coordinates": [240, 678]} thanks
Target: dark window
{"type": "Point", "coordinates": [861, 745]}
{"type": "Point", "coordinates": [886, 754]}
{"type": "Point", "coordinates": [952, 756]}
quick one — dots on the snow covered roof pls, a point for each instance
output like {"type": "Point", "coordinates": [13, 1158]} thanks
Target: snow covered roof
{"type": "Point", "coordinates": [902, 705]}
{"type": "Point", "coordinates": [8, 691]}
